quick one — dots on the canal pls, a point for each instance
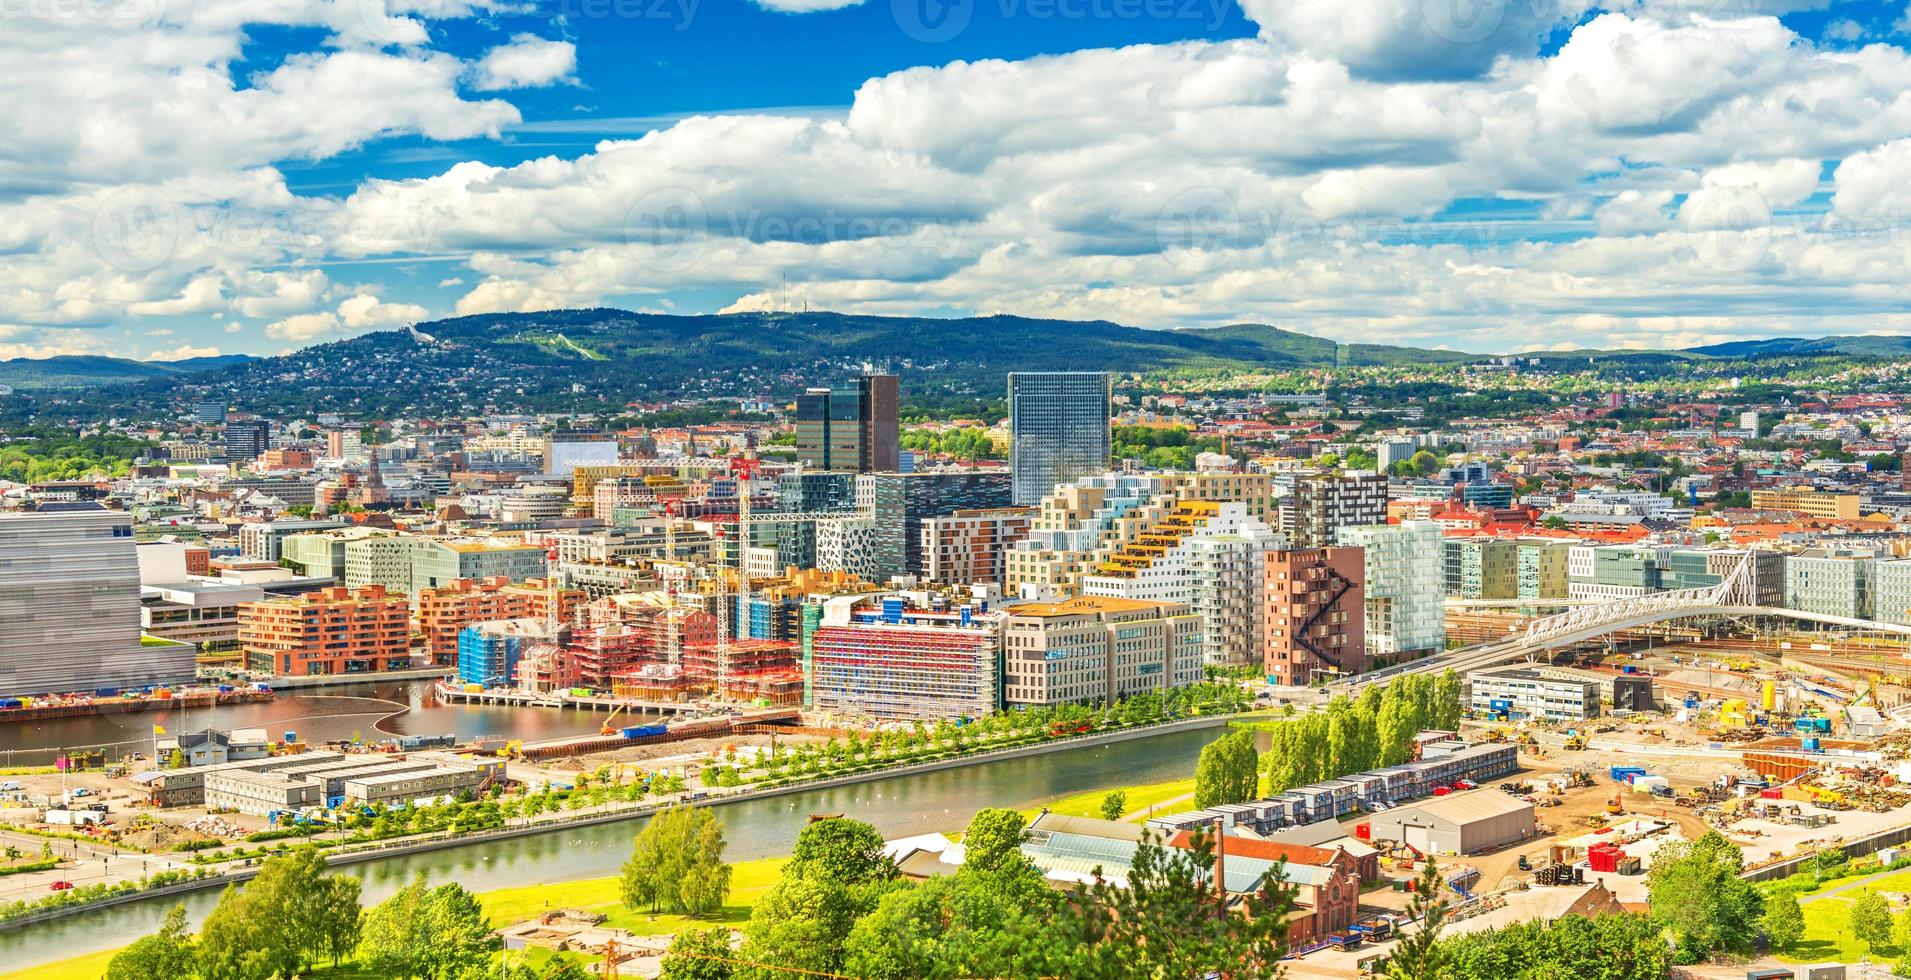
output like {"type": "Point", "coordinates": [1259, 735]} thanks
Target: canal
{"type": "Point", "coordinates": [317, 715]}
{"type": "Point", "coordinates": [899, 806]}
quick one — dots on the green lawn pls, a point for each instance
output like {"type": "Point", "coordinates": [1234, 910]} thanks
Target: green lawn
{"type": "Point", "coordinates": [1140, 798]}
{"type": "Point", "coordinates": [1827, 925]}
{"type": "Point", "coordinates": [749, 880]}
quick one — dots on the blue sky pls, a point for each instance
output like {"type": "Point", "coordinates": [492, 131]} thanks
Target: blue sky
{"type": "Point", "coordinates": [249, 176]}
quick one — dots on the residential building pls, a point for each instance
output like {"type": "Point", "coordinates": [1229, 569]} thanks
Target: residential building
{"type": "Point", "coordinates": [444, 612]}
{"type": "Point", "coordinates": [412, 563]}
{"type": "Point", "coordinates": [1070, 526]}
{"type": "Point", "coordinates": [1832, 582]}
{"type": "Point", "coordinates": [329, 632]}
{"type": "Point", "coordinates": [248, 439]}
{"type": "Point", "coordinates": [266, 541]}
{"type": "Point", "coordinates": [1806, 500]}
{"type": "Point", "coordinates": [1519, 693]}
{"type": "Point", "coordinates": [892, 660]}
{"type": "Point", "coordinates": [900, 502]}
{"type": "Point", "coordinates": [1097, 648]}
{"type": "Point", "coordinates": [971, 546]}
{"type": "Point", "coordinates": [850, 429]}
{"type": "Point", "coordinates": [69, 605]}
{"type": "Point", "coordinates": [522, 653]}
{"type": "Point", "coordinates": [1406, 609]}
{"type": "Point", "coordinates": [1210, 556]}
{"type": "Point", "coordinates": [1058, 430]}
{"type": "Point", "coordinates": [1316, 614]}
{"type": "Point", "coordinates": [1321, 504]}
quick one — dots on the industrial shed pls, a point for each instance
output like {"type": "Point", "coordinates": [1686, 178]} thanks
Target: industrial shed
{"type": "Point", "coordinates": [1462, 824]}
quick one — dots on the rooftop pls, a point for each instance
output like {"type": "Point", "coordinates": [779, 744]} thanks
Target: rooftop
{"type": "Point", "coordinates": [1082, 605]}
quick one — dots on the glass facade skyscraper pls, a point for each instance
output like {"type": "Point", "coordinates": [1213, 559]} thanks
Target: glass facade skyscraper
{"type": "Point", "coordinates": [1058, 429]}
{"type": "Point", "coordinates": [852, 429]}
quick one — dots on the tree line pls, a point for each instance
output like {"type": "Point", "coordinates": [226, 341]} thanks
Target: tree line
{"type": "Point", "coordinates": [1351, 735]}
{"type": "Point", "coordinates": [294, 916]}
{"type": "Point", "coordinates": [842, 907]}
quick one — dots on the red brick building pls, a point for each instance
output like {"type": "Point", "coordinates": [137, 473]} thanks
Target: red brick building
{"type": "Point", "coordinates": [444, 611]}
{"type": "Point", "coordinates": [332, 631]}
{"type": "Point", "coordinates": [1316, 614]}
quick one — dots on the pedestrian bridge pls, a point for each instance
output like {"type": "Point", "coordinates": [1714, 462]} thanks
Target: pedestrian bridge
{"type": "Point", "coordinates": [1734, 596]}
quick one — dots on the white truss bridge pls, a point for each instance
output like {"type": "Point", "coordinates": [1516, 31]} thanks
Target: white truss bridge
{"type": "Point", "coordinates": [1735, 596]}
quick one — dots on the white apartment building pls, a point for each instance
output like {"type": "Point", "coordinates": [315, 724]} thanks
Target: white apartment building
{"type": "Point", "coordinates": [1212, 557]}
{"type": "Point", "coordinates": [1405, 605]}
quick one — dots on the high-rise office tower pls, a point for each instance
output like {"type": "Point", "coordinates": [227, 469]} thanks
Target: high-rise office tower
{"type": "Point", "coordinates": [69, 605]}
{"type": "Point", "coordinates": [852, 429]}
{"type": "Point", "coordinates": [248, 439]}
{"type": "Point", "coordinates": [1058, 429]}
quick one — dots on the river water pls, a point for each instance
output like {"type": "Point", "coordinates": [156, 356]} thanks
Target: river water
{"type": "Point", "coordinates": [398, 708]}
{"type": "Point", "coordinates": [758, 828]}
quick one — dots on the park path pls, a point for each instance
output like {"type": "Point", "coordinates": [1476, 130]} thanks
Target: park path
{"type": "Point", "coordinates": [1848, 886]}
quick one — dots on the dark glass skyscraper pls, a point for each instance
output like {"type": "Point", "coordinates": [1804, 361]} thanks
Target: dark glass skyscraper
{"type": "Point", "coordinates": [1058, 426]}
{"type": "Point", "coordinates": [852, 429]}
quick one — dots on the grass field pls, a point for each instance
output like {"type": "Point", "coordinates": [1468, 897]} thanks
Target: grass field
{"type": "Point", "coordinates": [1140, 798]}
{"type": "Point", "coordinates": [1828, 925]}
{"type": "Point", "coordinates": [749, 880]}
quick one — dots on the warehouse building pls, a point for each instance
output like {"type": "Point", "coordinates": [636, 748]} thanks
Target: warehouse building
{"type": "Point", "coordinates": [1464, 824]}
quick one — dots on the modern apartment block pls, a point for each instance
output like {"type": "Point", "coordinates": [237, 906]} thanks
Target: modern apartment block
{"type": "Point", "coordinates": [1316, 614]}
{"type": "Point", "coordinates": [1831, 581]}
{"type": "Point", "coordinates": [1480, 568]}
{"type": "Point", "coordinates": [1206, 555]}
{"type": "Point", "coordinates": [526, 653]}
{"type": "Point", "coordinates": [329, 632]}
{"type": "Point", "coordinates": [1321, 504]}
{"type": "Point", "coordinates": [444, 612]}
{"type": "Point", "coordinates": [1070, 526]}
{"type": "Point", "coordinates": [1406, 608]}
{"type": "Point", "coordinates": [1806, 500]}
{"type": "Point", "coordinates": [265, 541]}
{"type": "Point", "coordinates": [851, 429]}
{"type": "Point", "coordinates": [1097, 648]}
{"type": "Point", "coordinates": [1058, 429]}
{"type": "Point", "coordinates": [70, 606]}
{"type": "Point", "coordinates": [971, 546]}
{"type": "Point", "coordinates": [890, 660]}
{"type": "Point", "coordinates": [901, 502]}
{"type": "Point", "coordinates": [412, 563]}
{"type": "Point", "coordinates": [1615, 571]}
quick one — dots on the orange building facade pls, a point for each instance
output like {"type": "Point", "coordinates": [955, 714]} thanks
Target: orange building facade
{"type": "Point", "coordinates": [329, 632]}
{"type": "Point", "coordinates": [443, 612]}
